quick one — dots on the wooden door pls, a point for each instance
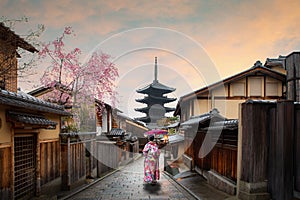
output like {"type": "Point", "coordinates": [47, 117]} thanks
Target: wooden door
{"type": "Point", "coordinates": [24, 166]}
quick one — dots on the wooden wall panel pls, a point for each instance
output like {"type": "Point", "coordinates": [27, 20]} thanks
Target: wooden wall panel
{"type": "Point", "coordinates": [254, 142]}
{"type": "Point", "coordinates": [297, 149]}
{"type": "Point", "coordinates": [222, 158]}
{"type": "Point", "coordinates": [224, 161]}
{"type": "Point", "coordinates": [105, 162]}
{"type": "Point", "coordinates": [5, 173]}
{"type": "Point", "coordinates": [50, 161]}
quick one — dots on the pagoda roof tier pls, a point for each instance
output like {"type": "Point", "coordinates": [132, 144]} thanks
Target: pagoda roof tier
{"type": "Point", "coordinates": [146, 109]}
{"type": "Point", "coordinates": [147, 119]}
{"type": "Point", "coordinates": [144, 119]}
{"type": "Point", "coordinates": [156, 89]}
{"type": "Point", "coordinates": [154, 100]}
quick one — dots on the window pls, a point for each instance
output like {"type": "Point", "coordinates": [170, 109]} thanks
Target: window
{"type": "Point", "coordinates": [271, 89]}
{"type": "Point", "coordinates": [238, 89]}
{"type": "Point", "coordinates": [255, 84]}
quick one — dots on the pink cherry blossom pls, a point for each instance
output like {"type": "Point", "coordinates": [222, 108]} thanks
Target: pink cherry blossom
{"type": "Point", "coordinates": [73, 83]}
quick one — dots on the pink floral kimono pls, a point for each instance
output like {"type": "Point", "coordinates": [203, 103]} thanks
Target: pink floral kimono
{"type": "Point", "coordinates": [151, 163]}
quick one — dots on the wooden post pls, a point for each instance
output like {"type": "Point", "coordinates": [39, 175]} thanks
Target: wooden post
{"type": "Point", "coordinates": [68, 183]}
{"type": "Point", "coordinates": [38, 166]}
{"type": "Point", "coordinates": [65, 164]}
{"type": "Point", "coordinates": [12, 163]}
{"type": "Point", "coordinates": [283, 184]}
{"type": "Point", "coordinates": [254, 150]}
{"type": "Point", "coordinates": [88, 147]}
{"type": "Point", "coordinates": [91, 158]}
{"type": "Point", "coordinates": [6, 171]}
{"type": "Point", "coordinates": [297, 150]}
{"type": "Point", "coordinates": [292, 63]}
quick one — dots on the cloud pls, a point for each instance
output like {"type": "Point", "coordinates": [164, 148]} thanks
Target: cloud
{"type": "Point", "coordinates": [236, 38]}
{"type": "Point", "coordinates": [232, 34]}
{"type": "Point", "coordinates": [3, 3]}
{"type": "Point", "coordinates": [157, 9]}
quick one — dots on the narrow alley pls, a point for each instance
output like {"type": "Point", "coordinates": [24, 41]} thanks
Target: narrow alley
{"type": "Point", "coordinates": [127, 183]}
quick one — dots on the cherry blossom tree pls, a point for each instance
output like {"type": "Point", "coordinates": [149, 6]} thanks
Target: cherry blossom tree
{"type": "Point", "coordinates": [75, 84]}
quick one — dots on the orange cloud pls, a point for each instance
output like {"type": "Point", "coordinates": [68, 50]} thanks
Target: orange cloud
{"type": "Point", "coordinates": [233, 34]}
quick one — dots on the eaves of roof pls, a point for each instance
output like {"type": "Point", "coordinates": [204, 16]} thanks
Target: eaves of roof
{"type": "Point", "coordinates": [32, 119]}
{"type": "Point", "coordinates": [25, 101]}
{"type": "Point", "coordinates": [199, 119]}
{"type": "Point", "coordinates": [39, 91]}
{"type": "Point", "coordinates": [175, 139]}
{"type": "Point", "coordinates": [155, 86]}
{"type": "Point", "coordinates": [116, 132]}
{"type": "Point", "coordinates": [45, 89]}
{"type": "Point", "coordinates": [20, 42]}
{"type": "Point", "coordinates": [227, 124]}
{"type": "Point", "coordinates": [236, 77]}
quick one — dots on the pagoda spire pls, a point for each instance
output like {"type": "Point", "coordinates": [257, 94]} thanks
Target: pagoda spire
{"type": "Point", "coordinates": [155, 70]}
{"type": "Point", "coordinates": [154, 99]}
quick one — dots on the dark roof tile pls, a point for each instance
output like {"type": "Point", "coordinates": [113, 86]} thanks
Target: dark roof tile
{"type": "Point", "coordinates": [23, 100]}
{"type": "Point", "coordinates": [29, 119]}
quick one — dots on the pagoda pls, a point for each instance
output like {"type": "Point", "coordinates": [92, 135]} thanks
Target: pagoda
{"type": "Point", "coordinates": [155, 99]}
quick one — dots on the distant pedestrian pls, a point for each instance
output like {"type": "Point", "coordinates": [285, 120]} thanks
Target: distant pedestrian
{"type": "Point", "coordinates": [151, 153]}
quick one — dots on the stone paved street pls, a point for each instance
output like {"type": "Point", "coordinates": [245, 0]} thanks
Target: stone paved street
{"type": "Point", "coordinates": [127, 183]}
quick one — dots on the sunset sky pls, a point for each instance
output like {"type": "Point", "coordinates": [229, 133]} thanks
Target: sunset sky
{"type": "Point", "coordinates": [197, 42]}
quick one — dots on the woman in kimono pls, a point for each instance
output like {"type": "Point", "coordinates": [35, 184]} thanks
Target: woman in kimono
{"type": "Point", "coordinates": [151, 162]}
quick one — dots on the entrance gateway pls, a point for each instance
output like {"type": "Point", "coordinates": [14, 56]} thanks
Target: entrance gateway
{"type": "Point", "coordinates": [25, 166]}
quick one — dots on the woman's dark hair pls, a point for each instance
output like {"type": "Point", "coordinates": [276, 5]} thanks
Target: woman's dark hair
{"type": "Point", "coordinates": [151, 137]}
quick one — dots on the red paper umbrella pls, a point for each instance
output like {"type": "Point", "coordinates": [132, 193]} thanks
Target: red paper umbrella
{"type": "Point", "coordinates": [156, 132]}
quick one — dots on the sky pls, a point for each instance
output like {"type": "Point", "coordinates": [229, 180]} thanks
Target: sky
{"type": "Point", "coordinates": [197, 42]}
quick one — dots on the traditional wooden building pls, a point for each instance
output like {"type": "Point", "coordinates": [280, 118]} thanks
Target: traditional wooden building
{"type": "Point", "coordinates": [134, 128]}
{"type": "Point", "coordinates": [269, 143]}
{"type": "Point", "coordinates": [89, 150]}
{"type": "Point", "coordinates": [29, 144]}
{"type": "Point", "coordinates": [211, 142]}
{"type": "Point", "coordinates": [9, 44]}
{"type": "Point", "coordinates": [258, 82]}
{"type": "Point", "coordinates": [29, 129]}
{"type": "Point", "coordinates": [217, 158]}
{"type": "Point", "coordinates": [107, 117]}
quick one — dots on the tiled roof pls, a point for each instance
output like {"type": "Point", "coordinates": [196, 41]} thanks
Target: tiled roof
{"type": "Point", "coordinates": [229, 124]}
{"type": "Point", "coordinates": [154, 87]}
{"type": "Point", "coordinates": [116, 132]}
{"type": "Point", "coordinates": [143, 119]}
{"type": "Point", "coordinates": [146, 109]}
{"type": "Point", "coordinates": [10, 36]}
{"type": "Point", "coordinates": [175, 138]}
{"type": "Point", "coordinates": [253, 101]}
{"type": "Point", "coordinates": [195, 120]}
{"type": "Point", "coordinates": [220, 122]}
{"type": "Point", "coordinates": [150, 99]}
{"type": "Point", "coordinates": [29, 119]}
{"type": "Point", "coordinates": [23, 100]}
